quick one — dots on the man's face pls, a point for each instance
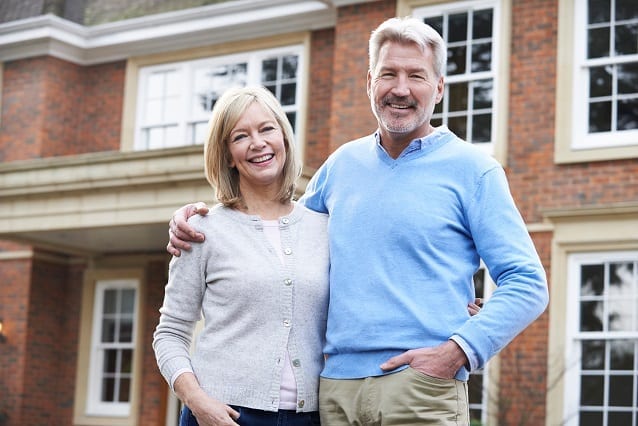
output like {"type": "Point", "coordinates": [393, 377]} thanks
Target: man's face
{"type": "Point", "coordinates": [403, 90]}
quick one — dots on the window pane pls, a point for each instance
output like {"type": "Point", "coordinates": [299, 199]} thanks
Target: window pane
{"type": "Point", "coordinates": [292, 118]}
{"type": "Point", "coordinates": [598, 43]}
{"type": "Point", "coordinates": [600, 79]}
{"type": "Point", "coordinates": [438, 108]}
{"type": "Point", "coordinates": [593, 355]}
{"type": "Point", "coordinates": [599, 117]}
{"type": "Point", "coordinates": [108, 389]}
{"type": "Point", "coordinates": [435, 22]}
{"type": "Point", "coordinates": [628, 114]}
{"type": "Point", "coordinates": [482, 25]}
{"type": "Point", "coordinates": [269, 70]}
{"type": "Point", "coordinates": [628, 78]}
{"type": "Point", "coordinates": [621, 391]}
{"type": "Point", "coordinates": [481, 128]}
{"type": "Point", "coordinates": [626, 9]}
{"type": "Point", "coordinates": [199, 132]}
{"type": "Point", "coordinates": [126, 330]}
{"type": "Point", "coordinates": [128, 301]}
{"type": "Point", "coordinates": [622, 354]}
{"type": "Point", "coordinates": [110, 302]}
{"type": "Point", "coordinates": [482, 94]}
{"type": "Point", "coordinates": [110, 361]}
{"type": "Point", "coordinates": [592, 390]}
{"type": "Point", "coordinates": [626, 39]}
{"type": "Point", "coordinates": [475, 388]}
{"type": "Point", "coordinates": [289, 69]}
{"type": "Point", "coordinates": [108, 330]}
{"type": "Point", "coordinates": [590, 319]}
{"type": "Point", "coordinates": [127, 361]}
{"type": "Point", "coordinates": [458, 97]}
{"type": "Point", "coordinates": [458, 125]}
{"type": "Point", "coordinates": [155, 84]}
{"type": "Point", "coordinates": [288, 94]}
{"type": "Point", "coordinates": [456, 58]}
{"type": "Point", "coordinates": [124, 390]}
{"type": "Point", "coordinates": [591, 279]}
{"type": "Point", "coordinates": [615, 418]}
{"type": "Point", "coordinates": [153, 112]}
{"type": "Point", "coordinates": [172, 137]}
{"type": "Point", "coordinates": [590, 418]}
{"type": "Point", "coordinates": [599, 11]}
{"type": "Point", "coordinates": [479, 283]}
{"type": "Point", "coordinates": [457, 27]}
{"type": "Point", "coordinates": [482, 57]}
{"type": "Point", "coordinates": [272, 88]}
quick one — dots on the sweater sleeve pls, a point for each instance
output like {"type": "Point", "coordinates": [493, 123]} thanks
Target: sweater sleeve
{"type": "Point", "coordinates": [502, 241]}
{"type": "Point", "coordinates": [179, 313]}
{"type": "Point", "coordinates": [314, 198]}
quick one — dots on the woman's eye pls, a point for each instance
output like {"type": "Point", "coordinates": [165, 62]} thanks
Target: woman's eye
{"type": "Point", "coordinates": [237, 138]}
{"type": "Point", "coordinates": [268, 129]}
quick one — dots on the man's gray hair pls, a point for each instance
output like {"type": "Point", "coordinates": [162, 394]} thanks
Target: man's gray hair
{"type": "Point", "coordinates": [408, 30]}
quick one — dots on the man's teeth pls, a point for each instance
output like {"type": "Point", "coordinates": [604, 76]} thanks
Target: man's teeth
{"type": "Point", "coordinates": [399, 106]}
{"type": "Point", "coordinates": [262, 158]}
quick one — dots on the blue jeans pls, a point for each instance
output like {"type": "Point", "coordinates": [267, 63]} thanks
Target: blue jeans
{"type": "Point", "coordinates": [252, 417]}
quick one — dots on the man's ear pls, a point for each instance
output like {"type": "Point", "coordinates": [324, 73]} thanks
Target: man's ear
{"type": "Point", "coordinates": [369, 84]}
{"type": "Point", "coordinates": [440, 89]}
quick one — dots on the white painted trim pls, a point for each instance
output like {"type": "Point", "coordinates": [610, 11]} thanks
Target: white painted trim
{"type": "Point", "coordinates": [164, 32]}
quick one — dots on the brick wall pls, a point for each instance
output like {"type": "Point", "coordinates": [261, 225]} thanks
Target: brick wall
{"type": "Point", "coordinates": [51, 107]}
{"type": "Point", "coordinates": [154, 388]}
{"type": "Point", "coordinates": [351, 114]}
{"type": "Point", "coordinates": [537, 182]}
{"type": "Point", "coordinates": [15, 276]}
{"type": "Point", "coordinates": [51, 352]}
{"type": "Point", "coordinates": [319, 98]}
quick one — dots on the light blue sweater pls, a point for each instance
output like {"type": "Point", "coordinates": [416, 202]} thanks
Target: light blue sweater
{"type": "Point", "coordinates": [406, 237]}
{"type": "Point", "coordinates": [254, 308]}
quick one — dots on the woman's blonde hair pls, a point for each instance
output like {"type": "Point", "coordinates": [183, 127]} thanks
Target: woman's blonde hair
{"type": "Point", "coordinates": [226, 113]}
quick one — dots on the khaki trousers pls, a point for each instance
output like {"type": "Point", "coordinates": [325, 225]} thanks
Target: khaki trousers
{"type": "Point", "coordinates": [406, 398]}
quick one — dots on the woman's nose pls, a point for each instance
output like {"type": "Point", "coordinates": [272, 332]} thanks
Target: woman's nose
{"type": "Point", "coordinates": [257, 142]}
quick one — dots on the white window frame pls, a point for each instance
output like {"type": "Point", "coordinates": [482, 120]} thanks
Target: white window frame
{"type": "Point", "coordinates": [186, 68]}
{"type": "Point", "coordinates": [94, 406]}
{"type": "Point", "coordinates": [489, 391]}
{"type": "Point", "coordinates": [494, 73]}
{"type": "Point", "coordinates": [581, 138]}
{"type": "Point", "coordinates": [574, 337]}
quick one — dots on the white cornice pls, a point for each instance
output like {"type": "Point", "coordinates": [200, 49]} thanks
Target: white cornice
{"type": "Point", "coordinates": [223, 22]}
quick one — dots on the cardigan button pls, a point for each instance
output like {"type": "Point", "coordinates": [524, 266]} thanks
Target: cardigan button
{"type": "Point", "coordinates": [288, 251]}
{"type": "Point", "coordinates": [301, 403]}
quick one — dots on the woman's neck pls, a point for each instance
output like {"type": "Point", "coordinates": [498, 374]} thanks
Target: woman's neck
{"type": "Point", "coordinates": [266, 208]}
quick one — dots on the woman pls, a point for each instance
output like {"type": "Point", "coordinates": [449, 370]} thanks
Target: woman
{"type": "Point", "coordinates": [260, 280]}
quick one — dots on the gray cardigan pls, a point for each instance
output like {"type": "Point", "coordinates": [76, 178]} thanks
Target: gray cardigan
{"type": "Point", "coordinates": [254, 308]}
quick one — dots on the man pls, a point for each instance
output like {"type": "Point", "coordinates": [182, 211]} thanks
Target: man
{"type": "Point", "coordinates": [413, 209]}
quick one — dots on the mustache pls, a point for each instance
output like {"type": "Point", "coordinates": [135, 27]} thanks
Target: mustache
{"type": "Point", "coordinates": [399, 100]}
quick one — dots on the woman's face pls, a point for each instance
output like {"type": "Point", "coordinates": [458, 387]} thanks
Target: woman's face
{"type": "Point", "coordinates": [257, 149]}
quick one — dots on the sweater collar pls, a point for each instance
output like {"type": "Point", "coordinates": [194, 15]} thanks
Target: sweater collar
{"type": "Point", "coordinates": [289, 219]}
{"type": "Point", "coordinates": [424, 144]}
